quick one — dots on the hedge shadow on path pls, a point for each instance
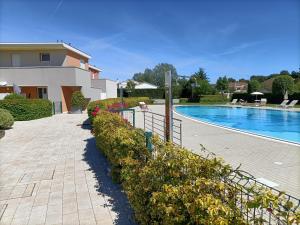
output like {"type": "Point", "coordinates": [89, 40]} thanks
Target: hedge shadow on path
{"type": "Point", "coordinates": [116, 200]}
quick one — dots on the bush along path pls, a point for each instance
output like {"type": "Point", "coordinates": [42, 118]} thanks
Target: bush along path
{"type": "Point", "coordinates": [171, 185]}
{"type": "Point", "coordinates": [27, 109]}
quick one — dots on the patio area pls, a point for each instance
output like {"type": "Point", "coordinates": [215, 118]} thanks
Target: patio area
{"type": "Point", "coordinates": [52, 173]}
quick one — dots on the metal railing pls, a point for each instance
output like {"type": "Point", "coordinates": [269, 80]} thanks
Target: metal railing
{"type": "Point", "coordinates": [246, 186]}
{"type": "Point", "coordinates": [243, 182]}
{"type": "Point", "coordinates": [155, 123]}
{"type": "Point", "coordinates": [127, 114]}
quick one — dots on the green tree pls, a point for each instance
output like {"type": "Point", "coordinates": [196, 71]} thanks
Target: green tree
{"type": "Point", "coordinates": [253, 86]}
{"type": "Point", "coordinates": [130, 85]}
{"type": "Point", "coordinates": [295, 75]}
{"type": "Point", "coordinates": [200, 74]}
{"type": "Point", "coordinates": [146, 76]}
{"type": "Point", "coordinates": [259, 78]}
{"type": "Point", "coordinates": [297, 86]}
{"type": "Point", "coordinates": [230, 79]}
{"type": "Point", "coordinates": [156, 76]}
{"type": "Point", "coordinates": [283, 84]}
{"type": "Point", "coordinates": [222, 84]}
{"type": "Point", "coordinates": [284, 72]}
{"type": "Point", "coordinates": [202, 88]}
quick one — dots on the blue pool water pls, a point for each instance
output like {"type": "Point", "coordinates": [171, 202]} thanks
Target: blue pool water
{"type": "Point", "coordinates": [277, 124]}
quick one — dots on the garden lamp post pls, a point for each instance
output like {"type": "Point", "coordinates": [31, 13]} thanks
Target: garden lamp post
{"type": "Point", "coordinates": [120, 86]}
{"type": "Point", "coordinates": [168, 107]}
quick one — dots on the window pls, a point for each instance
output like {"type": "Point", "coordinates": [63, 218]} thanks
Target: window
{"type": "Point", "coordinates": [16, 60]}
{"type": "Point", "coordinates": [45, 57]}
{"type": "Point", "coordinates": [82, 64]}
{"type": "Point", "coordinates": [42, 93]}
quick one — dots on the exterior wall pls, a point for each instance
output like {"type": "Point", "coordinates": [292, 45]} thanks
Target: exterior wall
{"type": "Point", "coordinates": [88, 90]}
{"type": "Point", "coordinates": [32, 58]}
{"type": "Point", "coordinates": [73, 59]}
{"type": "Point", "coordinates": [94, 73]}
{"type": "Point", "coordinates": [52, 77]}
{"type": "Point", "coordinates": [111, 89]}
{"type": "Point", "coordinates": [106, 86]}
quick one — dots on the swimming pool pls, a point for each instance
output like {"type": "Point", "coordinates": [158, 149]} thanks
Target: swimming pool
{"type": "Point", "coordinates": [278, 124]}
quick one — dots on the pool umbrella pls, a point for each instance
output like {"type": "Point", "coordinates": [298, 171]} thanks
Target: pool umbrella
{"type": "Point", "coordinates": [256, 93]}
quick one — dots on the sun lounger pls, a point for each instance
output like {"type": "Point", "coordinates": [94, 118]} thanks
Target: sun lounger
{"type": "Point", "coordinates": [263, 102]}
{"type": "Point", "coordinates": [143, 106]}
{"type": "Point", "coordinates": [234, 101]}
{"type": "Point", "coordinates": [283, 103]}
{"type": "Point", "coordinates": [292, 104]}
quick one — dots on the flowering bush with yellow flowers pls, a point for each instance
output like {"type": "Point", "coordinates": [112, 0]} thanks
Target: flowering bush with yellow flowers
{"type": "Point", "coordinates": [171, 185]}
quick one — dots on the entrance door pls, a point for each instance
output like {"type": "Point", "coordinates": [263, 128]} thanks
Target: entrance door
{"type": "Point", "coordinates": [42, 93]}
{"type": "Point", "coordinates": [16, 60]}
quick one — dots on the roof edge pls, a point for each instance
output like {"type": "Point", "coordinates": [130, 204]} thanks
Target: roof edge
{"type": "Point", "coordinates": [63, 44]}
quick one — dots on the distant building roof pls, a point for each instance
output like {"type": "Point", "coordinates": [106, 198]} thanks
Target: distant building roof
{"type": "Point", "coordinates": [139, 85]}
{"type": "Point", "coordinates": [145, 85]}
{"type": "Point", "coordinates": [41, 46]}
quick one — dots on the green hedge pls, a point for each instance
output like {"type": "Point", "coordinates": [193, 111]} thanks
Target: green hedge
{"type": "Point", "coordinates": [104, 104]}
{"type": "Point", "coordinates": [27, 109]}
{"type": "Point", "coordinates": [6, 119]}
{"type": "Point", "coordinates": [213, 99]}
{"type": "Point", "coordinates": [14, 96]}
{"type": "Point", "coordinates": [158, 93]}
{"type": "Point", "coordinates": [151, 93]}
{"type": "Point", "coordinates": [271, 98]}
{"type": "Point", "coordinates": [173, 185]}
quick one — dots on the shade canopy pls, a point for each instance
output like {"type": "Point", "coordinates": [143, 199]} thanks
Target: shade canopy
{"type": "Point", "coordinates": [257, 93]}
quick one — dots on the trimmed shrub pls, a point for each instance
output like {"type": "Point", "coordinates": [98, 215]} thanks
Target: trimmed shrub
{"type": "Point", "coordinates": [158, 93]}
{"type": "Point", "coordinates": [27, 109]}
{"type": "Point", "coordinates": [6, 119]}
{"type": "Point", "coordinates": [105, 103]}
{"type": "Point", "coordinates": [78, 99]}
{"type": "Point", "coordinates": [151, 93]}
{"type": "Point", "coordinates": [14, 96]}
{"type": "Point", "coordinates": [183, 100]}
{"type": "Point", "coordinates": [174, 186]}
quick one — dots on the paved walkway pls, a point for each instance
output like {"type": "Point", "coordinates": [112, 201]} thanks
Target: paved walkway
{"type": "Point", "coordinates": [274, 161]}
{"type": "Point", "coordinates": [52, 173]}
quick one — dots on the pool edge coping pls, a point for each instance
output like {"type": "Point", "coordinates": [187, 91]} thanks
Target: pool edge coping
{"type": "Point", "coordinates": [236, 130]}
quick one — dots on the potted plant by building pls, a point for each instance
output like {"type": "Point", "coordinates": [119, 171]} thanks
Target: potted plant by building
{"type": "Point", "coordinates": [77, 102]}
{"type": "Point", "coordinates": [6, 121]}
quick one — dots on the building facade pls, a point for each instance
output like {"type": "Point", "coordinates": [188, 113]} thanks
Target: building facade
{"type": "Point", "coordinates": [51, 71]}
{"type": "Point", "coordinates": [238, 87]}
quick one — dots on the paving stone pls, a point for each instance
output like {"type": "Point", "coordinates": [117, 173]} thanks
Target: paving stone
{"type": "Point", "coordinates": [50, 177]}
{"type": "Point", "coordinates": [71, 219]}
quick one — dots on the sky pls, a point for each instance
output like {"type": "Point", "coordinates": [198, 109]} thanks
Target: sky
{"type": "Point", "coordinates": [237, 38]}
